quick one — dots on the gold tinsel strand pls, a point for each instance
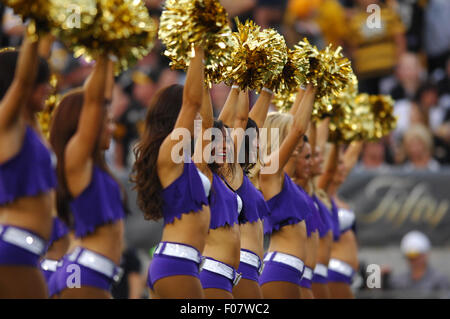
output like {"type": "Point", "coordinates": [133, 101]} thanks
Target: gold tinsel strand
{"type": "Point", "coordinates": [36, 10]}
{"type": "Point", "coordinates": [257, 58]}
{"type": "Point", "coordinates": [382, 107]}
{"type": "Point", "coordinates": [45, 117]}
{"type": "Point", "coordinates": [185, 24]}
{"type": "Point", "coordinates": [123, 28]}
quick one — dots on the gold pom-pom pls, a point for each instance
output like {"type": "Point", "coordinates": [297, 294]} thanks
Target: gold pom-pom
{"type": "Point", "coordinates": [292, 76]}
{"type": "Point", "coordinates": [123, 28]}
{"type": "Point", "coordinates": [328, 69]}
{"type": "Point", "coordinates": [36, 10]}
{"type": "Point", "coordinates": [185, 24]}
{"type": "Point", "coordinates": [44, 117]}
{"type": "Point", "coordinates": [258, 57]}
{"type": "Point", "coordinates": [284, 100]}
{"type": "Point", "coordinates": [382, 107]}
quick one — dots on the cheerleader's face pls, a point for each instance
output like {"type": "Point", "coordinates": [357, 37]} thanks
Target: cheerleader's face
{"type": "Point", "coordinates": [339, 176]}
{"type": "Point", "coordinates": [303, 163]}
{"type": "Point", "coordinates": [317, 162]}
{"type": "Point", "coordinates": [38, 97]}
{"type": "Point", "coordinates": [107, 131]}
{"type": "Point", "coordinates": [220, 149]}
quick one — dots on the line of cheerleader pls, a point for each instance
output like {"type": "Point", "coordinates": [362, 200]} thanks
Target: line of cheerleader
{"type": "Point", "coordinates": [217, 210]}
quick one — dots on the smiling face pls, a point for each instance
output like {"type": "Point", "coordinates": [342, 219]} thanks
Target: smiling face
{"type": "Point", "coordinates": [303, 161]}
{"type": "Point", "coordinates": [317, 162]}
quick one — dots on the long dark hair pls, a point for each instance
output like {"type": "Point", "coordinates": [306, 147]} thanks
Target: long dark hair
{"type": "Point", "coordinates": [246, 150]}
{"type": "Point", "coordinates": [8, 62]}
{"type": "Point", "coordinates": [159, 123]}
{"type": "Point", "coordinates": [64, 125]}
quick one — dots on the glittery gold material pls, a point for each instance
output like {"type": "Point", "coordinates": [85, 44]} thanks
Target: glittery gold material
{"type": "Point", "coordinates": [185, 24]}
{"type": "Point", "coordinates": [258, 57]}
{"type": "Point", "coordinates": [36, 10]}
{"type": "Point", "coordinates": [44, 118]}
{"type": "Point", "coordinates": [123, 28]}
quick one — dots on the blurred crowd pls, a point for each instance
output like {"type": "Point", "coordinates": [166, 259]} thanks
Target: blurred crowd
{"type": "Point", "coordinates": [397, 47]}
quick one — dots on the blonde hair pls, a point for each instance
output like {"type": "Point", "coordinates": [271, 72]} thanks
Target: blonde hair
{"type": "Point", "coordinates": [421, 132]}
{"type": "Point", "coordinates": [274, 120]}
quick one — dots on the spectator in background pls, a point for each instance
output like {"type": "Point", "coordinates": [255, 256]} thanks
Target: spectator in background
{"type": "Point", "coordinates": [437, 33]}
{"type": "Point", "coordinates": [270, 13]}
{"type": "Point", "coordinates": [415, 246]}
{"type": "Point", "coordinates": [418, 145]}
{"type": "Point", "coordinates": [408, 77]}
{"type": "Point", "coordinates": [374, 48]}
{"type": "Point", "coordinates": [373, 158]}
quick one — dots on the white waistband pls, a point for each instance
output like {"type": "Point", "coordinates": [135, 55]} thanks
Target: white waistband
{"type": "Point", "coordinates": [321, 270]}
{"type": "Point", "coordinates": [49, 265]}
{"type": "Point", "coordinates": [286, 259]}
{"type": "Point", "coordinates": [97, 262]}
{"type": "Point", "coordinates": [340, 267]}
{"type": "Point", "coordinates": [252, 259]}
{"type": "Point", "coordinates": [23, 239]}
{"type": "Point", "coordinates": [178, 250]}
{"type": "Point", "coordinates": [222, 269]}
{"type": "Point", "coordinates": [307, 273]}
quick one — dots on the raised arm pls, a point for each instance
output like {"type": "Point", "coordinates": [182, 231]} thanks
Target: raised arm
{"type": "Point", "coordinates": [81, 146]}
{"type": "Point", "coordinates": [351, 156]}
{"type": "Point", "coordinates": [298, 99]}
{"type": "Point", "coordinates": [299, 127]}
{"type": "Point", "coordinates": [258, 113]}
{"type": "Point", "coordinates": [330, 168]}
{"type": "Point", "coordinates": [312, 136]}
{"type": "Point", "coordinates": [322, 133]}
{"type": "Point", "coordinates": [228, 113]}
{"type": "Point", "coordinates": [22, 85]}
{"type": "Point", "coordinates": [206, 110]}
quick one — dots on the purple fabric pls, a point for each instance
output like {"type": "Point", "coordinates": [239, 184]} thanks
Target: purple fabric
{"type": "Point", "coordinates": [165, 266]}
{"type": "Point", "coordinates": [223, 204]}
{"type": "Point", "coordinates": [286, 208]}
{"type": "Point", "coordinates": [59, 230]}
{"type": "Point", "coordinates": [64, 276]}
{"type": "Point", "coordinates": [312, 222]}
{"type": "Point", "coordinates": [254, 207]}
{"type": "Point", "coordinates": [184, 195]}
{"type": "Point", "coordinates": [275, 271]}
{"type": "Point", "coordinates": [305, 283]}
{"type": "Point", "coordinates": [248, 271]}
{"type": "Point", "coordinates": [12, 255]}
{"type": "Point", "coordinates": [318, 279]}
{"type": "Point", "coordinates": [335, 221]}
{"type": "Point", "coordinates": [326, 223]}
{"type": "Point", "coordinates": [30, 172]}
{"type": "Point", "coordinates": [47, 274]}
{"type": "Point", "coordinates": [99, 204]}
{"type": "Point", "coordinates": [334, 276]}
{"type": "Point", "coordinates": [51, 285]}
{"type": "Point", "coordinates": [212, 280]}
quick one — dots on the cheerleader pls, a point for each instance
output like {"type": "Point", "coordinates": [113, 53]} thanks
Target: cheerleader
{"type": "Point", "coordinates": [301, 177]}
{"type": "Point", "coordinates": [174, 190]}
{"type": "Point", "coordinates": [222, 249]}
{"type": "Point", "coordinates": [27, 173]}
{"type": "Point", "coordinates": [81, 131]}
{"type": "Point", "coordinates": [320, 274]}
{"type": "Point", "coordinates": [343, 262]}
{"type": "Point", "coordinates": [284, 261]}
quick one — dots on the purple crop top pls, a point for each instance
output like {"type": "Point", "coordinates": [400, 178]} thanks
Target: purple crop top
{"type": "Point", "coordinates": [311, 219]}
{"type": "Point", "coordinates": [59, 230]}
{"type": "Point", "coordinates": [325, 215]}
{"type": "Point", "coordinates": [254, 206]}
{"type": "Point", "coordinates": [30, 172]}
{"type": "Point", "coordinates": [335, 220]}
{"type": "Point", "coordinates": [186, 194]}
{"type": "Point", "coordinates": [223, 204]}
{"type": "Point", "coordinates": [99, 204]}
{"type": "Point", "coordinates": [285, 208]}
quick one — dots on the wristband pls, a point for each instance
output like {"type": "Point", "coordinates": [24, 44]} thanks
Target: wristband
{"type": "Point", "coordinates": [235, 87]}
{"type": "Point", "coordinates": [267, 90]}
